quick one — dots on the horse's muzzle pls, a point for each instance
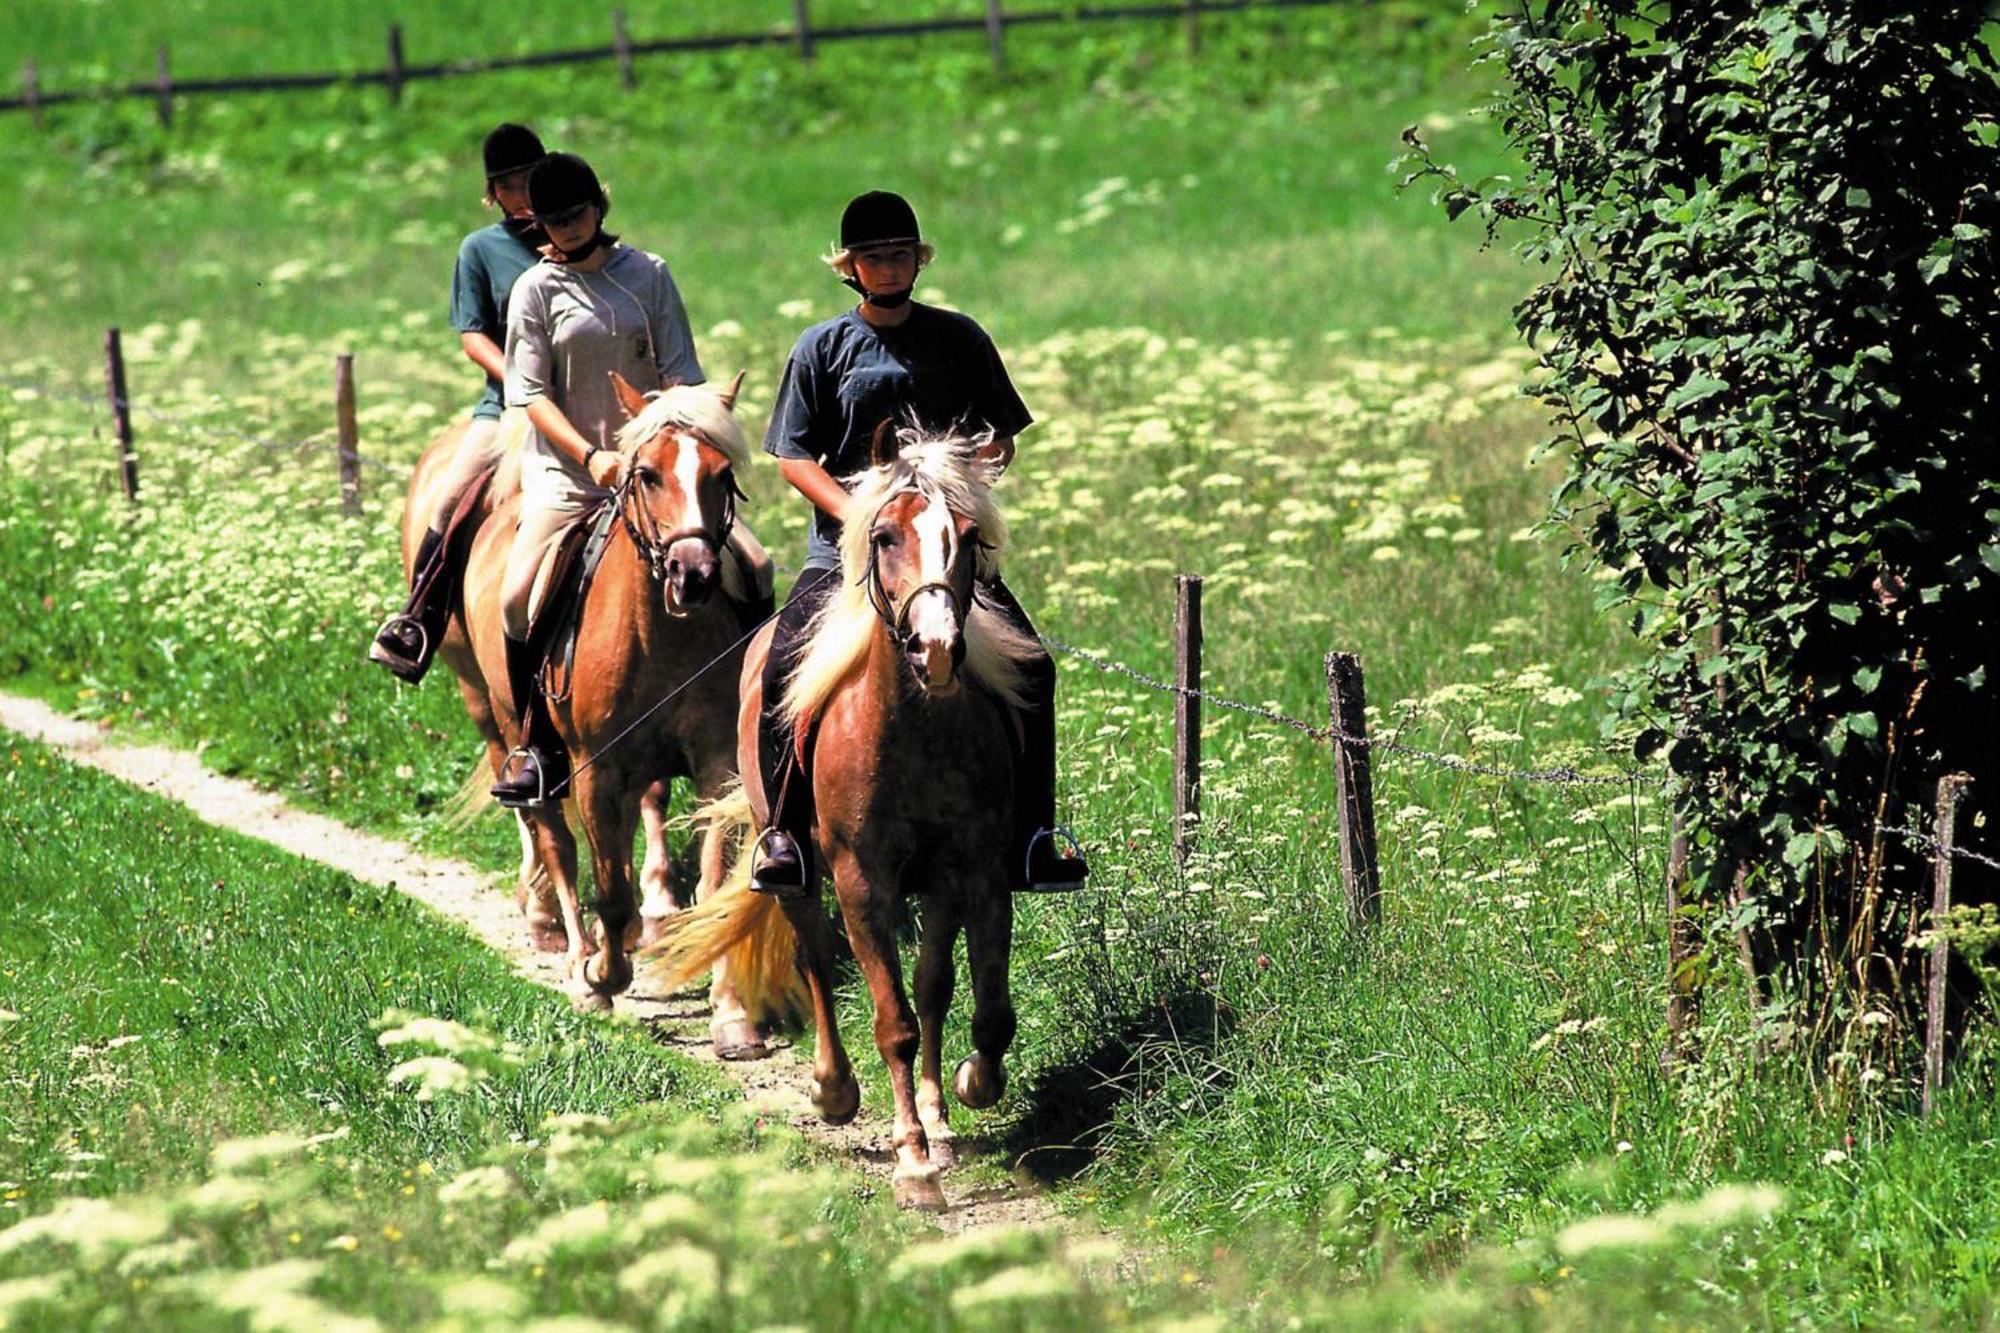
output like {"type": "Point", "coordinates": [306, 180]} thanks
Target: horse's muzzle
{"type": "Point", "coordinates": [692, 572]}
{"type": "Point", "coordinates": [934, 643]}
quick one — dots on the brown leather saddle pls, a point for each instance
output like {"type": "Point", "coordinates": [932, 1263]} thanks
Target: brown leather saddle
{"type": "Point", "coordinates": [554, 632]}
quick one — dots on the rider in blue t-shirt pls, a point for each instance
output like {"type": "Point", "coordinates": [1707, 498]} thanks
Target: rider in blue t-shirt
{"type": "Point", "coordinates": [889, 358]}
{"type": "Point", "coordinates": [489, 260]}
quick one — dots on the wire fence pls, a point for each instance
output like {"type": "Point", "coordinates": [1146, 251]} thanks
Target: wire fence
{"type": "Point", "coordinates": [1359, 740]}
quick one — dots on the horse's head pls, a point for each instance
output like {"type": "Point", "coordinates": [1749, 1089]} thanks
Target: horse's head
{"type": "Point", "coordinates": [682, 447]}
{"type": "Point", "coordinates": [922, 555]}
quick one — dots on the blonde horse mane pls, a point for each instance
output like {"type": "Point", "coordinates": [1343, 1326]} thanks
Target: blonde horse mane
{"type": "Point", "coordinates": [693, 407]}
{"type": "Point", "coordinates": [947, 469]}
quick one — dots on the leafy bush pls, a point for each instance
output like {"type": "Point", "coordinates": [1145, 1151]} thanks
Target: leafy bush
{"type": "Point", "coordinates": [1769, 338]}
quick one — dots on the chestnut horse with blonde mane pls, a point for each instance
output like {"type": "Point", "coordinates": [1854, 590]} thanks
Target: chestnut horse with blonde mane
{"type": "Point", "coordinates": [907, 687]}
{"type": "Point", "coordinates": [662, 618]}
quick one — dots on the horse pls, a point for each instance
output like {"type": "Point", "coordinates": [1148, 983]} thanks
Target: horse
{"type": "Point", "coordinates": [908, 687]}
{"type": "Point", "coordinates": [652, 626]}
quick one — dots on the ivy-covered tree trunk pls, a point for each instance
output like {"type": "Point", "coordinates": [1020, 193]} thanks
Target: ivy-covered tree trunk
{"type": "Point", "coordinates": [1770, 334]}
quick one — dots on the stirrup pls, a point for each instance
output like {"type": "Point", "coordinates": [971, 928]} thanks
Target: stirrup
{"type": "Point", "coordinates": [541, 796]}
{"type": "Point", "coordinates": [779, 891]}
{"type": "Point", "coordinates": [1049, 835]}
{"type": "Point", "coordinates": [404, 668]}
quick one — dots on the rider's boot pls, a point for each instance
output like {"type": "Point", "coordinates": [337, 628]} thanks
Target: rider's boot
{"type": "Point", "coordinates": [536, 772]}
{"type": "Point", "coordinates": [408, 640]}
{"type": "Point", "coordinates": [1047, 866]}
{"type": "Point", "coordinates": [778, 865]}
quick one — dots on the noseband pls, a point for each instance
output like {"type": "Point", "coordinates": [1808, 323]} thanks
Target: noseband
{"type": "Point", "coordinates": [645, 533]}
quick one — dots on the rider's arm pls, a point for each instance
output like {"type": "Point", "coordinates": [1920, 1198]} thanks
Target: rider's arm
{"type": "Point", "coordinates": [814, 482]}
{"type": "Point", "coordinates": [557, 429]}
{"type": "Point", "coordinates": [483, 352]}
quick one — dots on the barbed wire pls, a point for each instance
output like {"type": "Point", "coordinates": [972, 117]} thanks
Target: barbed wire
{"type": "Point", "coordinates": [1925, 842]}
{"type": "Point", "coordinates": [194, 426]}
{"type": "Point", "coordinates": [1560, 774]}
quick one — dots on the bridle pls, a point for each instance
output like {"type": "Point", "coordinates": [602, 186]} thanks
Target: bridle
{"type": "Point", "coordinates": [898, 618]}
{"type": "Point", "coordinates": [645, 532]}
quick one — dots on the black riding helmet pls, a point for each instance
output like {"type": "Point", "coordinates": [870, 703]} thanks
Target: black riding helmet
{"type": "Point", "coordinates": [562, 183]}
{"type": "Point", "coordinates": [878, 218]}
{"type": "Point", "coordinates": [510, 148]}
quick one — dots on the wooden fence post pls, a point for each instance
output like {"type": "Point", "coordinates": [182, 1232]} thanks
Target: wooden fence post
{"type": "Point", "coordinates": [349, 451]}
{"type": "Point", "coordinates": [996, 36]}
{"type": "Point", "coordinates": [163, 88]}
{"type": "Point", "coordinates": [802, 26]}
{"type": "Point", "coordinates": [394, 79]}
{"type": "Point", "coordinates": [1187, 712]}
{"type": "Point", "coordinates": [31, 90]}
{"type": "Point", "coordinates": [1353, 788]}
{"type": "Point", "coordinates": [1950, 789]}
{"type": "Point", "coordinates": [1683, 946]}
{"type": "Point", "coordinates": [1192, 20]}
{"type": "Point", "coordinates": [621, 42]}
{"type": "Point", "coordinates": [121, 413]}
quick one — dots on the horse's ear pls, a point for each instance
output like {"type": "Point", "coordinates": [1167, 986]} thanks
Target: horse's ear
{"type": "Point", "coordinates": [883, 445]}
{"type": "Point", "coordinates": [728, 395]}
{"type": "Point", "coordinates": [629, 398]}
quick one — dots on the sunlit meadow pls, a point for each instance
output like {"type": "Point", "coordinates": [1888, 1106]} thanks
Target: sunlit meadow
{"type": "Point", "coordinates": [1251, 361]}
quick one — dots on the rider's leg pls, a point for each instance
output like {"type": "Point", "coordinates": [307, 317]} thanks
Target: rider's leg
{"type": "Point", "coordinates": [1040, 861]}
{"type": "Point", "coordinates": [408, 640]}
{"type": "Point", "coordinates": [541, 764]}
{"type": "Point", "coordinates": [783, 862]}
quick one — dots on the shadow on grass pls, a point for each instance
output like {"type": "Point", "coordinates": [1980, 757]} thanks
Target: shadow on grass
{"type": "Point", "coordinates": [1069, 1107]}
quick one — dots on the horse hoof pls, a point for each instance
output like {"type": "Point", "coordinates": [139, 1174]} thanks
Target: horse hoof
{"type": "Point", "coordinates": [917, 1189]}
{"type": "Point", "coordinates": [839, 1104]}
{"type": "Point", "coordinates": [978, 1082]}
{"type": "Point", "coordinates": [943, 1151]}
{"type": "Point", "coordinates": [738, 1040]}
{"type": "Point", "coordinates": [547, 936]}
{"type": "Point", "coordinates": [606, 983]}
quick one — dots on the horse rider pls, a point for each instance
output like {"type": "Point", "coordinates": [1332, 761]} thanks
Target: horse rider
{"type": "Point", "coordinates": [890, 358]}
{"type": "Point", "coordinates": [489, 262]}
{"type": "Point", "coordinates": [592, 306]}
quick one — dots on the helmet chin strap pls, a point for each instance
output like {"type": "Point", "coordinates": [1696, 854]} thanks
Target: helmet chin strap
{"type": "Point", "coordinates": [598, 240]}
{"type": "Point", "coordinates": [881, 300]}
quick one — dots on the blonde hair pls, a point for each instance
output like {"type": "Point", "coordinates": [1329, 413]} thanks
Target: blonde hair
{"type": "Point", "coordinates": [841, 260]}
{"type": "Point", "coordinates": [947, 470]}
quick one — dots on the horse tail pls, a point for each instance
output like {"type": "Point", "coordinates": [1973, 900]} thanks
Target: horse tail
{"type": "Point", "coordinates": [746, 931]}
{"type": "Point", "coordinates": [462, 809]}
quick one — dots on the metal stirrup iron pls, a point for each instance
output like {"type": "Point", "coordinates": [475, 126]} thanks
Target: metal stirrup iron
{"type": "Point", "coordinates": [541, 777]}
{"type": "Point", "coordinates": [1049, 835]}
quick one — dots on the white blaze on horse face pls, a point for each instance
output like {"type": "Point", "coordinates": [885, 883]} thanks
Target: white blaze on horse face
{"type": "Point", "coordinates": [687, 472]}
{"type": "Point", "coordinates": [934, 616]}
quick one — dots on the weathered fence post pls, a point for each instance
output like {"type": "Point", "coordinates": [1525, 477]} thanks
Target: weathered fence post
{"type": "Point", "coordinates": [1950, 789]}
{"type": "Point", "coordinates": [1192, 20]}
{"type": "Point", "coordinates": [802, 28]}
{"type": "Point", "coordinates": [1187, 712]}
{"type": "Point", "coordinates": [163, 88]}
{"type": "Point", "coordinates": [996, 36]}
{"type": "Point", "coordinates": [121, 413]}
{"type": "Point", "coordinates": [621, 42]}
{"type": "Point", "coordinates": [349, 450]}
{"type": "Point", "coordinates": [394, 78]}
{"type": "Point", "coordinates": [1683, 946]}
{"type": "Point", "coordinates": [31, 90]}
{"type": "Point", "coordinates": [1353, 788]}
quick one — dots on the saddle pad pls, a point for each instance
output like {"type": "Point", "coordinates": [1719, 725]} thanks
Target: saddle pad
{"type": "Point", "coordinates": [554, 632]}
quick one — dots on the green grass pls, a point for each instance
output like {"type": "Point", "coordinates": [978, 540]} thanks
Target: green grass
{"type": "Point", "coordinates": [1255, 363]}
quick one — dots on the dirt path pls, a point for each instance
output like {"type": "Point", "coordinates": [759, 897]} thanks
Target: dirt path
{"type": "Point", "coordinates": [776, 1087]}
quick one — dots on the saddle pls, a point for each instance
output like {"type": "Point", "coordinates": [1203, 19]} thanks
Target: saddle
{"type": "Point", "coordinates": [553, 633]}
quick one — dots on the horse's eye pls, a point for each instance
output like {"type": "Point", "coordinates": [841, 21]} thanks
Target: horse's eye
{"type": "Point", "coordinates": [647, 476]}
{"type": "Point", "coordinates": [885, 537]}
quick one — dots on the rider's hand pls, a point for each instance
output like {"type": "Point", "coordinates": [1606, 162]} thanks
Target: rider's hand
{"type": "Point", "coordinates": [604, 467]}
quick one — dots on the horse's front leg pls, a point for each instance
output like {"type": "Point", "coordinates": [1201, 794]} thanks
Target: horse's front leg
{"type": "Point", "coordinates": [868, 904]}
{"type": "Point", "coordinates": [555, 848]}
{"type": "Point", "coordinates": [989, 935]}
{"type": "Point", "coordinates": [656, 901]}
{"type": "Point", "coordinates": [937, 972]}
{"type": "Point", "coordinates": [608, 819]}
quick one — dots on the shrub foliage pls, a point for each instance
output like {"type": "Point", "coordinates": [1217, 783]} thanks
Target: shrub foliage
{"type": "Point", "coordinates": [1768, 334]}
